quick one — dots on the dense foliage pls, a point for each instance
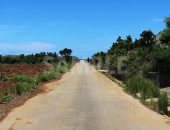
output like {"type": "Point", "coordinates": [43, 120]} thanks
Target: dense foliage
{"type": "Point", "coordinates": [165, 35]}
{"type": "Point", "coordinates": [30, 59]}
{"type": "Point", "coordinates": [67, 54]}
{"type": "Point", "coordinates": [39, 58]}
{"type": "Point", "coordinates": [150, 54]}
{"type": "Point", "coordinates": [144, 54]}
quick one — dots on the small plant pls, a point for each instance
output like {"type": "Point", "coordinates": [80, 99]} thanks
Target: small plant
{"type": "Point", "coordinates": [5, 98]}
{"type": "Point", "coordinates": [25, 78]}
{"type": "Point", "coordinates": [145, 87]}
{"type": "Point", "coordinates": [45, 77]}
{"type": "Point", "coordinates": [163, 103]}
{"type": "Point", "coordinates": [22, 87]}
{"type": "Point", "coordinates": [52, 75]}
{"type": "Point", "coordinates": [133, 85]}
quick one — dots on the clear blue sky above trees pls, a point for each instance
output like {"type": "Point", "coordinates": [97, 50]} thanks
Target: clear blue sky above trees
{"type": "Point", "coordinates": [85, 26]}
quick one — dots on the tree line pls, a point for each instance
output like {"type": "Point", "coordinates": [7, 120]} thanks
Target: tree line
{"type": "Point", "coordinates": [37, 57]}
{"type": "Point", "coordinates": [148, 53]}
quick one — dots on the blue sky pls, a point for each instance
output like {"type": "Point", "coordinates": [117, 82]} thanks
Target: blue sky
{"type": "Point", "coordinates": [85, 26]}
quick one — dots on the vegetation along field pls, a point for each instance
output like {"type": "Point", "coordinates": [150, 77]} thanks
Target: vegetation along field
{"type": "Point", "coordinates": [20, 75]}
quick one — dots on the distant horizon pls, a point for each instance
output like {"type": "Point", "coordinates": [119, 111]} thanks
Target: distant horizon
{"type": "Point", "coordinates": [86, 27]}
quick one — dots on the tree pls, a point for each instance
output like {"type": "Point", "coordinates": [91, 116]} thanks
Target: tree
{"type": "Point", "coordinates": [167, 21]}
{"type": "Point", "coordinates": [136, 43]}
{"type": "Point", "coordinates": [120, 42]}
{"type": "Point", "coordinates": [165, 35]}
{"type": "Point", "coordinates": [147, 38]}
{"type": "Point", "coordinates": [67, 54]}
{"type": "Point", "coordinates": [162, 58]}
{"type": "Point", "coordinates": [129, 42]}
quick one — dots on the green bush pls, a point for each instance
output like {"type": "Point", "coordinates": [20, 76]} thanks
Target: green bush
{"type": "Point", "coordinates": [23, 87]}
{"type": "Point", "coordinates": [52, 75]}
{"type": "Point", "coordinates": [163, 103]}
{"type": "Point", "coordinates": [5, 98]}
{"type": "Point", "coordinates": [25, 78]}
{"type": "Point", "coordinates": [61, 69]}
{"type": "Point", "coordinates": [145, 87]}
{"type": "Point", "coordinates": [46, 77]}
{"type": "Point", "coordinates": [133, 85]}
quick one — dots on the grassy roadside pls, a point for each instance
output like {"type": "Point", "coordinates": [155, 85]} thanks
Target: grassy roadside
{"type": "Point", "coordinates": [25, 84]}
{"type": "Point", "coordinates": [146, 91]}
{"type": "Point", "coordinates": [27, 87]}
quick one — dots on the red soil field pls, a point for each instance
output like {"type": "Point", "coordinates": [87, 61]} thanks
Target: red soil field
{"type": "Point", "coordinates": [9, 70]}
{"type": "Point", "coordinates": [6, 84]}
{"type": "Point", "coordinates": [22, 69]}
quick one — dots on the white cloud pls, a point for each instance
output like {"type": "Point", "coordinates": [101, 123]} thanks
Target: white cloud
{"type": "Point", "coordinates": [26, 48]}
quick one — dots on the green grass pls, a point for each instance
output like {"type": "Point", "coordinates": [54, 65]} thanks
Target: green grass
{"type": "Point", "coordinates": [145, 87]}
{"type": "Point", "coordinates": [23, 87]}
{"type": "Point", "coordinates": [163, 103]}
{"type": "Point", "coordinates": [52, 74]}
{"type": "Point", "coordinates": [148, 89]}
{"type": "Point", "coordinates": [5, 98]}
{"type": "Point", "coordinates": [25, 78]}
{"type": "Point", "coordinates": [46, 77]}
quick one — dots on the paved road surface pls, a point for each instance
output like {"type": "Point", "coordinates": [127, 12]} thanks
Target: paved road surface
{"type": "Point", "coordinates": [83, 100]}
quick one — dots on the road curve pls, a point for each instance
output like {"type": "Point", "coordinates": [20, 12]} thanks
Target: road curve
{"type": "Point", "coordinates": [83, 99]}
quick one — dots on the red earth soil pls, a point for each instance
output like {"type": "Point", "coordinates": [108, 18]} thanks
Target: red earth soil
{"type": "Point", "coordinates": [8, 70]}
{"type": "Point", "coordinates": [22, 69]}
{"type": "Point", "coordinates": [5, 84]}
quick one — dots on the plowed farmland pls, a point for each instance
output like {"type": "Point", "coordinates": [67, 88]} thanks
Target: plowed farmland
{"type": "Point", "coordinates": [19, 69]}
{"type": "Point", "coordinates": [9, 70]}
{"type": "Point", "coordinates": [6, 84]}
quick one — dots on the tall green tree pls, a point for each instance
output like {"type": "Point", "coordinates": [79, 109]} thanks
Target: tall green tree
{"type": "Point", "coordinates": [129, 42]}
{"type": "Point", "coordinates": [167, 21]}
{"type": "Point", "coordinates": [165, 35]}
{"type": "Point", "coordinates": [67, 54]}
{"type": "Point", "coordinates": [120, 42]}
{"type": "Point", "coordinates": [147, 38]}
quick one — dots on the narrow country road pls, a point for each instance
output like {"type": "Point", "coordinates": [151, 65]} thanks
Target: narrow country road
{"type": "Point", "coordinates": [83, 99]}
